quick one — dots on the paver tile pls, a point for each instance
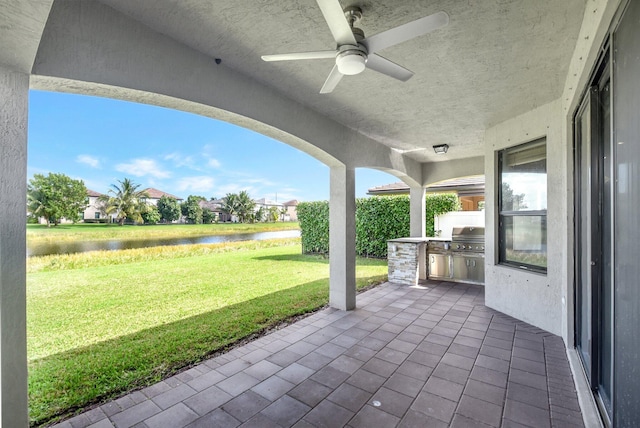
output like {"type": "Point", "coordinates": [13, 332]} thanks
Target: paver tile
{"type": "Point", "coordinates": [328, 415]}
{"type": "Point", "coordinates": [444, 388]}
{"type": "Point", "coordinates": [178, 415]}
{"type": "Point", "coordinates": [416, 419]}
{"type": "Point", "coordinates": [245, 405]}
{"type": "Point", "coordinates": [262, 369]}
{"type": "Point", "coordinates": [286, 411]}
{"type": "Point", "coordinates": [135, 414]}
{"type": "Point", "coordinates": [526, 414]}
{"type": "Point", "coordinates": [480, 410]}
{"type": "Point", "coordinates": [295, 373]}
{"type": "Point", "coordinates": [173, 396]}
{"type": "Point", "coordinates": [371, 416]}
{"type": "Point", "coordinates": [434, 406]}
{"type": "Point", "coordinates": [366, 380]}
{"type": "Point", "coordinates": [217, 418]}
{"type": "Point", "coordinates": [238, 383]}
{"type": "Point", "coordinates": [273, 388]}
{"type": "Point", "coordinates": [310, 392]}
{"type": "Point", "coordinates": [485, 391]}
{"type": "Point", "coordinates": [349, 397]}
{"type": "Point", "coordinates": [404, 384]}
{"type": "Point", "coordinates": [207, 400]}
{"type": "Point", "coordinates": [391, 401]}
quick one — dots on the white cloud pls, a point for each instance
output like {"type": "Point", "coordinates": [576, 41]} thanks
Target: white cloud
{"type": "Point", "coordinates": [143, 167]}
{"type": "Point", "coordinates": [181, 160]}
{"type": "Point", "coordinates": [214, 163]}
{"type": "Point", "coordinates": [261, 181]}
{"type": "Point", "coordinates": [234, 188]}
{"type": "Point", "coordinates": [196, 184]}
{"type": "Point", "coordinates": [88, 160]}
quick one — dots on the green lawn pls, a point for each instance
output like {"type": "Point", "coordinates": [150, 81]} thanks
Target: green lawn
{"type": "Point", "coordinates": [38, 233]}
{"type": "Point", "coordinates": [99, 328]}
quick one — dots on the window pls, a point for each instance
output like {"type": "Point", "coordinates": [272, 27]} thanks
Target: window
{"type": "Point", "coordinates": [522, 206]}
{"type": "Point", "coordinates": [97, 215]}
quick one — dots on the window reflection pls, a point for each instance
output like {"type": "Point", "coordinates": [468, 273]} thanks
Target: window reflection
{"type": "Point", "coordinates": [523, 205]}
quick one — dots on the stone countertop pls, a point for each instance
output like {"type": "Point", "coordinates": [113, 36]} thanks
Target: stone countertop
{"type": "Point", "coordinates": [419, 240]}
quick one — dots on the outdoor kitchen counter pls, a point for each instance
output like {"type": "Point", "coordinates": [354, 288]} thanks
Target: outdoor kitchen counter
{"type": "Point", "coordinates": [407, 259]}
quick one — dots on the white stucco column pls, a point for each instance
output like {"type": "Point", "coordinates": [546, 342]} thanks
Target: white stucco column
{"type": "Point", "coordinates": [14, 93]}
{"type": "Point", "coordinates": [417, 215]}
{"type": "Point", "coordinates": [342, 239]}
{"type": "Point", "coordinates": [418, 212]}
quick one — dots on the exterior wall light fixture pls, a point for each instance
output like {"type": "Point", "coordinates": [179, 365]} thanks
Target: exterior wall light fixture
{"type": "Point", "coordinates": [441, 149]}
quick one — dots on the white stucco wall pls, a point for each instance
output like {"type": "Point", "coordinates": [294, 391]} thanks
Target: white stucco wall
{"type": "Point", "coordinates": [532, 297]}
{"type": "Point", "coordinates": [14, 88]}
{"type": "Point", "coordinates": [546, 300]}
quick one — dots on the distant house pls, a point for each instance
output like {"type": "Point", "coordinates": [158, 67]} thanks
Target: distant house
{"type": "Point", "coordinates": [93, 214]}
{"type": "Point", "coordinates": [286, 210]}
{"type": "Point", "coordinates": [216, 205]}
{"type": "Point", "coordinates": [292, 210]}
{"type": "Point", "coordinates": [155, 195]}
{"type": "Point", "coordinates": [470, 190]}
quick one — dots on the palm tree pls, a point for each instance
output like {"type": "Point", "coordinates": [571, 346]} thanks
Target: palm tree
{"type": "Point", "coordinates": [230, 204]}
{"type": "Point", "coordinates": [125, 201]}
{"type": "Point", "coordinates": [246, 207]}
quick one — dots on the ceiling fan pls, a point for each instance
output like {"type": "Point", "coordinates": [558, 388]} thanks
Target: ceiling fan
{"type": "Point", "coordinates": [354, 52]}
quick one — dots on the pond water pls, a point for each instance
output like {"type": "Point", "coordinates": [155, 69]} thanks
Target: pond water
{"type": "Point", "coordinates": [125, 244]}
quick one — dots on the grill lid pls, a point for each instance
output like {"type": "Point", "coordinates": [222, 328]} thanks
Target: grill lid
{"type": "Point", "coordinates": [468, 234]}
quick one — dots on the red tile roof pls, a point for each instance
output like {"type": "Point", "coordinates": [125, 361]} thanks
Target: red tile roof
{"type": "Point", "coordinates": [93, 193]}
{"type": "Point", "coordinates": [157, 194]}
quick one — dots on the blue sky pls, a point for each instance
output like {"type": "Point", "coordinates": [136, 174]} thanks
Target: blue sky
{"type": "Point", "coordinates": [102, 141]}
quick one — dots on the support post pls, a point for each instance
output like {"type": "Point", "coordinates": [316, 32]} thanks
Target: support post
{"type": "Point", "coordinates": [14, 93]}
{"type": "Point", "coordinates": [418, 216]}
{"type": "Point", "coordinates": [342, 238]}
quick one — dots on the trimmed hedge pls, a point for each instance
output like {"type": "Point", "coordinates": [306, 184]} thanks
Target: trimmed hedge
{"type": "Point", "coordinates": [378, 219]}
{"type": "Point", "coordinates": [314, 226]}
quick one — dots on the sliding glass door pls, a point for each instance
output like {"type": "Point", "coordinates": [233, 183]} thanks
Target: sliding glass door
{"type": "Point", "coordinates": [594, 236]}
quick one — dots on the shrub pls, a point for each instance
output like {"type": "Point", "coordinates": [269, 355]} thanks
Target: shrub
{"type": "Point", "coordinates": [378, 219]}
{"type": "Point", "coordinates": [314, 226]}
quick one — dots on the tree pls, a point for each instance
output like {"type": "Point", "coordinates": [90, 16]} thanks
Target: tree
{"type": "Point", "coordinates": [512, 201]}
{"type": "Point", "coordinates": [230, 204]}
{"type": "Point", "coordinates": [169, 209]}
{"type": "Point", "coordinates": [55, 197]}
{"type": "Point", "coordinates": [261, 214]}
{"type": "Point", "coordinates": [246, 207]}
{"type": "Point", "coordinates": [192, 210]}
{"type": "Point", "coordinates": [208, 216]}
{"type": "Point", "coordinates": [273, 213]}
{"type": "Point", "coordinates": [151, 215]}
{"type": "Point", "coordinates": [125, 201]}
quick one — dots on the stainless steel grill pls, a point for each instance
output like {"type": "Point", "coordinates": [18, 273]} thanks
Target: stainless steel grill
{"type": "Point", "coordinates": [467, 248]}
{"type": "Point", "coordinates": [468, 239]}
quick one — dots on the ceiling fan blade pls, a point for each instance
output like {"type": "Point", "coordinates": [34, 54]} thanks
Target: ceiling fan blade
{"type": "Point", "coordinates": [391, 69]}
{"type": "Point", "coordinates": [338, 25]}
{"type": "Point", "coordinates": [405, 32]}
{"type": "Point", "coordinates": [300, 55]}
{"type": "Point", "coordinates": [332, 81]}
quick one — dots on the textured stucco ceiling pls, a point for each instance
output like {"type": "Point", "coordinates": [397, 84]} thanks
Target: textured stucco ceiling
{"type": "Point", "coordinates": [496, 59]}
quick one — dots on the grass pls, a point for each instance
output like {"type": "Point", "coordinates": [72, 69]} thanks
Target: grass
{"type": "Point", "coordinates": [38, 233]}
{"type": "Point", "coordinates": [97, 328]}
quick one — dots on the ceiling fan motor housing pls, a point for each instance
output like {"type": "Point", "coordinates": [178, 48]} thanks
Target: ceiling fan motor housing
{"type": "Point", "coordinates": [351, 60]}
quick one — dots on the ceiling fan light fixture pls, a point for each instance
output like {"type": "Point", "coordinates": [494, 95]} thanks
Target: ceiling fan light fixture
{"type": "Point", "coordinates": [441, 149]}
{"type": "Point", "coordinates": [350, 63]}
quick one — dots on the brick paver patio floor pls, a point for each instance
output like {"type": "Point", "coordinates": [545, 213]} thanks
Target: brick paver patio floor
{"type": "Point", "coordinates": [430, 356]}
